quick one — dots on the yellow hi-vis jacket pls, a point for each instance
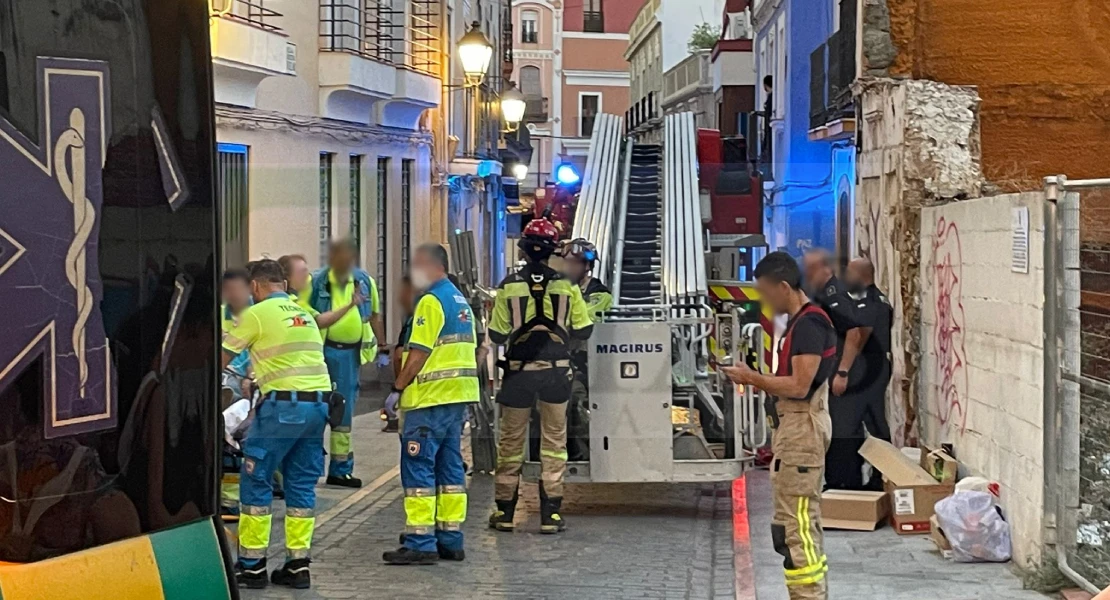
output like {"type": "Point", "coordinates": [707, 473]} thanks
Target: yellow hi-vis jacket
{"type": "Point", "coordinates": [443, 326]}
{"type": "Point", "coordinates": [285, 346]}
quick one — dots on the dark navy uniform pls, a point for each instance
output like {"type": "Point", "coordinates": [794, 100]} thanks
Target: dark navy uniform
{"type": "Point", "coordinates": [874, 310]}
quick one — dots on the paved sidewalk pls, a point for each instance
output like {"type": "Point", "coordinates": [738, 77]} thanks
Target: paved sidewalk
{"type": "Point", "coordinates": [624, 541]}
{"type": "Point", "coordinates": [878, 564]}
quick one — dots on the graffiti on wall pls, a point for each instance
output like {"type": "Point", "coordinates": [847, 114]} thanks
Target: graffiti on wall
{"type": "Point", "coordinates": [950, 366]}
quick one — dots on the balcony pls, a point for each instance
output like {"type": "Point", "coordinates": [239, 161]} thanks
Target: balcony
{"type": "Point", "coordinates": [593, 21]}
{"type": "Point", "coordinates": [687, 79]}
{"type": "Point", "coordinates": [535, 110]}
{"type": "Point", "coordinates": [379, 64]}
{"type": "Point", "coordinates": [832, 110]}
{"type": "Point", "coordinates": [248, 45]}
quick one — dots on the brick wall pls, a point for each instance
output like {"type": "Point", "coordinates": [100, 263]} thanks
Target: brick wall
{"type": "Point", "coordinates": [980, 376]}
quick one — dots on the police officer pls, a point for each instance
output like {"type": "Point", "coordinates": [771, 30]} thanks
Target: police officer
{"type": "Point", "coordinates": [288, 356]}
{"type": "Point", "coordinates": [579, 258]}
{"type": "Point", "coordinates": [235, 290]}
{"type": "Point", "coordinates": [349, 343]}
{"type": "Point", "coordinates": [800, 417]}
{"type": "Point", "coordinates": [875, 315]}
{"type": "Point", "coordinates": [843, 464]}
{"type": "Point", "coordinates": [535, 315]}
{"type": "Point", "coordinates": [438, 381]}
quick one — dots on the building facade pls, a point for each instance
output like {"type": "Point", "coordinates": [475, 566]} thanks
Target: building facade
{"type": "Point", "coordinates": [809, 194]}
{"type": "Point", "coordinates": [568, 63]}
{"type": "Point", "coordinates": [732, 71]}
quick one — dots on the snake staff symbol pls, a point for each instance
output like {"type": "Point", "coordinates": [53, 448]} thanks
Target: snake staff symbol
{"type": "Point", "coordinates": [84, 216]}
{"type": "Point", "coordinates": [948, 331]}
{"type": "Point", "coordinates": [50, 286]}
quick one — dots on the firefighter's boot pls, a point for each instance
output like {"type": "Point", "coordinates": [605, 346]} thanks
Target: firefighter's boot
{"type": "Point", "coordinates": [502, 517]}
{"type": "Point", "coordinates": [550, 520]}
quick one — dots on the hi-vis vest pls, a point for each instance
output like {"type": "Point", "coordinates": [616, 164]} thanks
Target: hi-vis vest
{"type": "Point", "coordinates": [285, 346]}
{"type": "Point", "coordinates": [443, 326]}
{"type": "Point", "coordinates": [534, 313]}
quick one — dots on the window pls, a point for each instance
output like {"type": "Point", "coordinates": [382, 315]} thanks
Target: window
{"type": "Point", "coordinates": [593, 18]}
{"type": "Point", "coordinates": [233, 182]}
{"type": "Point", "coordinates": [356, 203]}
{"type": "Point", "coordinates": [381, 226]}
{"type": "Point", "coordinates": [530, 82]}
{"type": "Point", "coordinates": [406, 212]}
{"type": "Point", "coordinates": [529, 25]}
{"type": "Point", "coordinates": [588, 107]}
{"type": "Point", "coordinates": [326, 160]}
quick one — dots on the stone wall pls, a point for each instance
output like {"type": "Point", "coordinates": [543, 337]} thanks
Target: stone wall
{"type": "Point", "coordinates": [981, 334]}
{"type": "Point", "coordinates": [920, 147]}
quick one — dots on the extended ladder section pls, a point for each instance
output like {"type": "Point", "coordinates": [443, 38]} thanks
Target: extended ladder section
{"type": "Point", "coordinates": [637, 278]}
{"type": "Point", "coordinates": [598, 199]}
{"type": "Point", "coordinates": [684, 250]}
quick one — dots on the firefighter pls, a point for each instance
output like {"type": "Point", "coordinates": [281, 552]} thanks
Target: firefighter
{"type": "Point", "coordinates": [349, 343]}
{"type": "Point", "coordinates": [843, 464]}
{"type": "Point", "coordinates": [579, 259]}
{"type": "Point", "coordinates": [437, 383]}
{"type": "Point", "coordinates": [874, 315]}
{"type": "Point", "coordinates": [288, 357]}
{"type": "Point", "coordinates": [535, 315]}
{"type": "Point", "coordinates": [799, 414]}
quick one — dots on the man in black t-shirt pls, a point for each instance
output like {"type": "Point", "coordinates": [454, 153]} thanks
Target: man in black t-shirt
{"type": "Point", "coordinates": [843, 464]}
{"type": "Point", "coordinates": [800, 417]}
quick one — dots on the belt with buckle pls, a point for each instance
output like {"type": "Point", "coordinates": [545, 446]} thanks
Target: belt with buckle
{"type": "Point", "coordinates": [343, 346]}
{"type": "Point", "coordinates": [296, 396]}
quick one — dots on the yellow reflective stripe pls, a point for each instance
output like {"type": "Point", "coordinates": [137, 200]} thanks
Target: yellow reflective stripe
{"type": "Point", "coordinates": [508, 460]}
{"type": "Point", "coordinates": [254, 533]}
{"type": "Point", "coordinates": [554, 454]}
{"type": "Point", "coordinates": [451, 508]}
{"type": "Point", "coordinates": [298, 534]}
{"type": "Point", "coordinates": [803, 531]}
{"type": "Point", "coordinates": [810, 570]}
{"type": "Point", "coordinates": [446, 374]}
{"type": "Point", "coordinates": [235, 343]}
{"type": "Point", "coordinates": [809, 580]}
{"type": "Point", "coordinates": [278, 350]}
{"type": "Point", "coordinates": [291, 372]}
{"type": "Point", "coordinates": [420, 511]}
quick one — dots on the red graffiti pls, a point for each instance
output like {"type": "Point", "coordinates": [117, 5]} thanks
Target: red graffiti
{"type": "Point", "coordinates": [948, 331]}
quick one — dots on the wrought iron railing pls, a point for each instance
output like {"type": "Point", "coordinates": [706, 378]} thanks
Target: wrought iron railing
{"type": "Point", "coordinates": [535, 109]}
{"type": "Point", "coordinates": [817, 77]}
{"type": "Point", "coordinates": [643, 110]}
{"type": "Point", "coordinates": [593, 21]}
{"type": "Point", "coordinates": [251, 12]}
{"type": "Point", "coordinates": [377, 30]}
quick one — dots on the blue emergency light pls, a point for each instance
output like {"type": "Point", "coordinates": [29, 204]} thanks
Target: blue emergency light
{"type": "Point", "coordinates": [566, 174]}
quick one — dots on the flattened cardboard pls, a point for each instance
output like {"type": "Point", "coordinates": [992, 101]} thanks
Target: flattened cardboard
{"type": "Point", "coordinates": [854, 510]}
{"type": "Point", "coordinates": [913, 491]}
{"type": "Point", "coordinates": [937, 536]}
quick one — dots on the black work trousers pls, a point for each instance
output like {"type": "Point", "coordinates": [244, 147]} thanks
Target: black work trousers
{"type": "Point", "coordinates": [862, 407]}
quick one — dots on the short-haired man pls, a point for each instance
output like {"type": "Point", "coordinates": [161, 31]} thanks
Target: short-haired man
{"type": "Point", "coordinates": [288, 356]}
{"type": "Point", "coordinates": [800, 416]}
{"type": "Point", "coordinates": [434, 388]}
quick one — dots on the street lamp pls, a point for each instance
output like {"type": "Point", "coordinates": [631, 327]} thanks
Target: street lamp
{"type": "Point", "coordinates": [512, 108]}
{"type": "Point", "coordinates": [475, 52]}
{"type": "Point", "coordinates": [520, 171]}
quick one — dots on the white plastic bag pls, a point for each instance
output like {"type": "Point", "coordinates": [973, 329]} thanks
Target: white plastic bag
{"type": "Point", "coordinates": [974, 527]}
{"type": "Point", "coordinates": [234, 418]}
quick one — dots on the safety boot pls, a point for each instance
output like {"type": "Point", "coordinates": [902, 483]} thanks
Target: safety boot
{"type": "Point", "coordinates": [550, 519]}
{"type": "Point", "coordinates": [293, 574]}
{"type": "Point", "coordinates": [450, 554]}
{"type": "Point", "coordinates": [252, 576]}
{"type": "Point", "coordinates": [407, 556]}
{"type": "Point", "coordinates": [502, 518]}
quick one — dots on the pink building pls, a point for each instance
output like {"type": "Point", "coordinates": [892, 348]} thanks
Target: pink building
{"type": "Point", "coordinates": [568, 61]}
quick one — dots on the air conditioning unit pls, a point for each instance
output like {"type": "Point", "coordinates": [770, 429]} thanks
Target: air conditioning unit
{"type": "Point", "coordinates": [291, 58]}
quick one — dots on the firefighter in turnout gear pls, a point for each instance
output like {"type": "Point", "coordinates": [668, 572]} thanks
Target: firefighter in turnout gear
{"type": "Point", "coordinates": [798, 395]}
{"type": "Point", "coordinates": [537, 313]}
{"type": "Point", "coordinates": [287, 353]}
{"type": "Point", "coordinates": [437, 383]}
{"type": "Point", "coordinates": [579, 259]}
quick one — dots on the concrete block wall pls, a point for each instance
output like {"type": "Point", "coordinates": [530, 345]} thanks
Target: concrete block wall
{"type": "Point", "coordinates": [980, 378]}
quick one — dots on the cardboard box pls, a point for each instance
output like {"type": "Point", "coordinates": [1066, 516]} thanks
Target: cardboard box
{"type": "Point", "coordinates": [913, 491]}
{"type": "Point", "coordinates": [937, 535]}
{"type": "Point", "coordinates": [940, 465]}
{"type": "Point", "coordinates": [854, 510]}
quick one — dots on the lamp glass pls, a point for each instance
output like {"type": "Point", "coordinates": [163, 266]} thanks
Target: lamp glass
{"type": "Point", "coordinates": [513, 106]}
{"type": "Point", "coordinates": [520, 171]}
{"type": "Point", "coordinates": [475, 52]}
